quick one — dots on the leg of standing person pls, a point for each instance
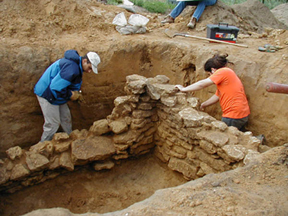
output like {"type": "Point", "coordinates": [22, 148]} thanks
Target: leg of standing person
{"type": "Point", "coordinates": [199, 10]}
{"type": "Point", "coordinates": [51, 115]}
{"type": "Point", "coordinates": [65, 118]}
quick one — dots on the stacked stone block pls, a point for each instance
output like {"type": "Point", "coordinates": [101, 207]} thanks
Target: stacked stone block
{"type": "Point", "coordinates": [152, 116]}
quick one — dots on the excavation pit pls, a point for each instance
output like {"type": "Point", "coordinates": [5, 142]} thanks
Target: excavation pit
{"type": "Point", "coordinates": [86, 190]}
{"type": "Point", "coordinates": [31, 43]}
{"type": "Point", "coordinates": [152, 117]}
{"type": "Point", "coordinates": [103, 106]}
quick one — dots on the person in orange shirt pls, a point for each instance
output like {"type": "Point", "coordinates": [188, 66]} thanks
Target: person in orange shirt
{"type": "Point", "coordinates": [230, 91]}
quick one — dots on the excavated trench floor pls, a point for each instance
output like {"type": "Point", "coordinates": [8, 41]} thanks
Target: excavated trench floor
{"type": "Point", "coordinates": [86, 190]}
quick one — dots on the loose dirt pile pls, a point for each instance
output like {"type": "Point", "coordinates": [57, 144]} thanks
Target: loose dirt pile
{"type": "Point", "coordinates": [60, 23]}
{"type": "Point", "coordinates": [48, 27]}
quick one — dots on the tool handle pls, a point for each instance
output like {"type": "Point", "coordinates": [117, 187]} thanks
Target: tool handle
{"type": "Point", "coordinates": [222, 23]}
{"type": "Point", "coordinates": [277, 88]}
{"type": "Point", "coordinates": [213, 40]}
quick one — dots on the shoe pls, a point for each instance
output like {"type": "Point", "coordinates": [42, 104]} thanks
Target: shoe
{"type": "Point", "coordinates": [168, 19]}
{"type": "Point", "coordinates": [192, 23]}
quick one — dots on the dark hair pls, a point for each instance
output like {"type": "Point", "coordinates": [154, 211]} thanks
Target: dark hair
{"type": "Point", "coordinates": [217, 61]}
{"type": "Point", "coordinates": [86, 57]}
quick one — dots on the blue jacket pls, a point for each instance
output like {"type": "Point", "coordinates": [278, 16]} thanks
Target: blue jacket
{"type": "Point", "coordinates": [60, 78]}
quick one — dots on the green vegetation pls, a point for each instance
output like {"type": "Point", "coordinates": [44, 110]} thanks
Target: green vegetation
{"type": "Point", "coordinates": [114, 2]}
{"type": "Point", "coordinates": [155, 6]}
{"type": "Point", "coordinates": [269, 3]}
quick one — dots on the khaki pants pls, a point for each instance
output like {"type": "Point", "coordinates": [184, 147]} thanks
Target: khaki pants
{"type": "Point", "coordinates": [54, 116]}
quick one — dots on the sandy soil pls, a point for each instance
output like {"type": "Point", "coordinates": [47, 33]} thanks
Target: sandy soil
{"type": "Point", "coordinates": [74, 24]}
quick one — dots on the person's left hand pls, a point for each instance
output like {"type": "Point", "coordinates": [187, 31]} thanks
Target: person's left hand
{"type": "Point", "coordinates": [75, 95]}
{"type": "Point", "coordinates": [202, 107]}
{"type": "Point", "coordinates": [81, 98]}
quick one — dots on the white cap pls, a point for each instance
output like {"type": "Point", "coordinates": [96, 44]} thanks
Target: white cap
{"type": "Point", "coordinates": [95, 60]}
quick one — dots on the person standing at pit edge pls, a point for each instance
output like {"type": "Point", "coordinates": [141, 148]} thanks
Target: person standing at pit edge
{"type": "Point", "coordinates": [230, 92]}
{"type": "Point", "coordinates": [201, 5]}
{"type": "Point", "coordinates": [60, 83]}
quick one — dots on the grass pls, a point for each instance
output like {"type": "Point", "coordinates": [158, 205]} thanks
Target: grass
{"type": "Point", "coordinates": [154, 6]}
{"type": "Point", "coordinates": [114, 2]}
{"type": "Point", "coordinates": [269, 3]}
{"type": "Point", "coordinates": [162, 7]}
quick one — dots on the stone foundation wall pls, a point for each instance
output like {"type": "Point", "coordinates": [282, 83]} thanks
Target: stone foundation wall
{"type": "Point", "coordinates": [152, 116]}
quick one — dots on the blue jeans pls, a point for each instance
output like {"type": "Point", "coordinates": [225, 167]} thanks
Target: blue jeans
{"type": "Point", "coordinates": [199, 10]}
{"type": "Point", "coordinates": [238, 123]}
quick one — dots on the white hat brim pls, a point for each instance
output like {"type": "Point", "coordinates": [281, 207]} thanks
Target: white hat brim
{"type": "Point", "coordinates": [95, 70]}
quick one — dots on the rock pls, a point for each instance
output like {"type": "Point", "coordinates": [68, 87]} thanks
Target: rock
{"type": "Point", "coordinates": [156, 90]}
{"type": "Point", "coordinates": [193, 102]}
{"type": "Point", "coordinates": [219, 125]}
{"type": "Point", "coordinates": [126, 138]}
{"type": "Point", "coordinates": [100, 127]}
{"type": "Point", "coordinates": [19, 171]}
{"type": "Point", "coordinates": [35, 161]}
{"type": "Point", "coordinates": [135, 87]}
{"type": "Point", "coordinates": [93, 148]}
{"type": "Point", "coordinates": [4, 176]}
{"type": "Point", "coordinates": [217, 138]}
{"type": "Point", "coordinates": [140, 114]}
{"type": "Point", "coordinates": [169, 101]}
{"type": "Point", "coordinates": [65, 161]}
{"type": "Point", "coordinates": [145, 106]}
{"type": "Point", "coordinates": [14, 152]}
{"type": "Point", "coordinates": [103, 165]}
{"type": "Point", "coordinates": [62, 147]}
{"type": "Point", "coordinates": [208, 146]}
{"type": "Point", "coordinates": [118, 126]}
{"type": "Point", "coordinates": [76, 134]}
{"type": "Point", "coordinates": [126, 100]}
{"type": "Point", "coordinates": [139, 123]}
{"type": "Point", "coordinates": [54, 162]}
{"type": "Point", "coordinates": [191, 117]}
{"type": "Point", "coordinates": [235, 152]}
{"type": "Point", "coordinates": [250, 156]}
{"type": "Point", "coordinates": [162, 79]}
{"type": "Point", "coordinates": [189, 171]}
{"type": "Point", "coordinates": [45, 148]}
{"type": "Point", "coordinates": [58, 137]}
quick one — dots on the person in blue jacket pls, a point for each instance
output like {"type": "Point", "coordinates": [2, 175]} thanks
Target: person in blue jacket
{"type": "Point", "coordinates": [201, 5]}
{"type": "Point", "coordinates": [60, 83]}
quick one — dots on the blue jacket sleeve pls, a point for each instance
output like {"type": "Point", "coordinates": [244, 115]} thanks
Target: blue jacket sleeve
{"type": "Point", "coordinates": [65, 81]}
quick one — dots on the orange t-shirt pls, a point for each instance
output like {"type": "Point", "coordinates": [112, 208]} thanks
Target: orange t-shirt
{"type": "Point", "coordinates": [231, 93]}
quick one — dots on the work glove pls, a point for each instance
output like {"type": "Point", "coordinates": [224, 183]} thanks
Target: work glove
{"type": "Point", "coordinates": [75, 95]}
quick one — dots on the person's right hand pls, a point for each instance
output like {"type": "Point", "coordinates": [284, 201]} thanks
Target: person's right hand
{"type": "Point", "coordinates": [180, 87]}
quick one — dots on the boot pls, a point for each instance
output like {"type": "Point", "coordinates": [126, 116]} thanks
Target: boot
{"type": "Point", "coordinates": [168, 19]}
{"type": "Point", "coordinates": [192, 23]}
